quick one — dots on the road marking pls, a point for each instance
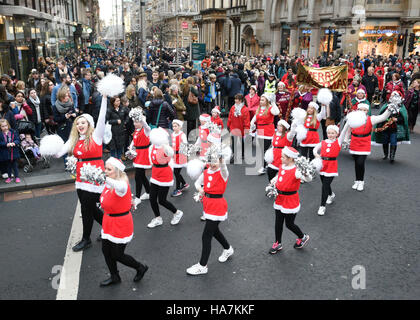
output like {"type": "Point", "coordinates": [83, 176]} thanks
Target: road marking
{"type": "Point", "coordinates": [69, 280]}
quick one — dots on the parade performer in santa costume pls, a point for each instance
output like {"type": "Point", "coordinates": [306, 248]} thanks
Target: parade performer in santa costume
{"type": "Point", "coordinates": [394, 130]}
{"type": "Point", "coordinates": [141, 144]}
{"type": "Point", "coordinates": [282, 138]}
{"type": "Point", "coordinates": [211, 186]}
{"type": "Point", "coordinates": [327, 152]}
{"type": "Point", "coordinates": [360, 145]}
{"type": "Point", "coordinates": [180, 160]}
{"type": "Point", "coordinates": [85, 144]}
{"type": "Point", "coordinates": [117, 225]}
{"type": "Point", "coordinates": [203, 132]}
{"type": "Point", "coordinates": [360, 98]}
{"type": "Point", "coordinates": [162, 177]}
{"type": "Point", "coordinates": [311, 124]}
{"type": "Point", "coordinates": [287, 203]}
{"type": "Point", "coordinates": [215, 117]}
{"type": "Point", "coordinates": [238, 124]}
{"type": "Point", "coordinates": [263, 123]}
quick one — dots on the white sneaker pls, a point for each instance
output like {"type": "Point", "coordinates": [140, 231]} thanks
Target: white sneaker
{"type": "Point", "coordinates": [355, 185]}
{"type": "Point", "coordinates": [5, 176]}
{"type": "Point", "coordinates": [155, 222]}
{"type": "Point", "coordinates": [145, 196]}
{"type": "Point", "coordinates": [197, 269]}
{"type": "Point", "coordinates": [261, 171]}
{"type": "Point", "coordinates": [203, 218]}
{"type": "Point", "coordinates": [361, 186]}
{"type": "Point", "coordinates": [226, 254]}
{"type": "Point", "coordinates": [177, 216]}
{"type": "Point", "coordinates": [321, 211]}
{"type": "Point", "coordinates": [137, 201]}
{"type": "Point", "coordinates": [331, 198]}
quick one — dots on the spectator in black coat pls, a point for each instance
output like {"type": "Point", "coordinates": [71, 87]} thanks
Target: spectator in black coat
{"type": "Point", "coordinates": [235, 88]}
{"type": "Point", "coordinates": [370, 81]}
{"type": "Point", "coordinates": [117, 116]}
{"type": "Point", "coordinates": [333, 114]}
{"type": "Point", "coordinates": [167, 113]}
{"type": "Point", "coordinates": [46, 107]}
{"type": "Point", "coordinates": [6, 113]}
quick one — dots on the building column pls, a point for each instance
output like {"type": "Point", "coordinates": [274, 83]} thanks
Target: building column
{"type": "Point", "coordinates": [314, 41]}
{"type": "Point", "coordinates": [276, 39]}
{"type": "Point", "coordinates": [294, 40]}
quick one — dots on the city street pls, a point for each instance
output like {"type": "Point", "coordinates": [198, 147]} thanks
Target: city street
{"type": "Point", "coordinates": [377, 229]}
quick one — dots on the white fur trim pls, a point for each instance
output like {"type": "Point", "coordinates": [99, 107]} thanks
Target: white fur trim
{"type": "Point", "coordinates": [162, 184]}
{"type": "Point", "coordinates": [115, 239]}
{"type": "Point", "coordinates": [290, 153]}
{"type": "Point", "coordinates": [116, 163]}
{"type": "Point", "coordinates": [362, 106]}
{"type": "Point", "coordinates": [89, 119]}
{"type": "Point", "coordinates": [265, 137]}
{"type": "Point", "coordinates": [178, 122]}
{"type": "Point", "coordinates": [215, 218]}
{"type": "Point", "coordinates": [175, 165]}
{"type": "Point", "coordinates": [284, 210]}
{"type": "Point", "coordinates": [273, 167]}
{"type": "Point", "coordinates": [89, 187]}
{"type": "Point", "coordinates": [333, 127]}
{"type": "Point", "coordinates": [328, 174]}
{"type": "Point", "coordinates": [284, 124]}
{"type": "Point", "coordinates": [314, 105]}
{"type": "Point", "coordinates": [141, 166]}
{"type": "Point", "coordinates": [360, 153]}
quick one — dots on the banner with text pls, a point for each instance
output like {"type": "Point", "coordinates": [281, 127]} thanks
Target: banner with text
{"type": "Point", "coordinates": [334, 78]}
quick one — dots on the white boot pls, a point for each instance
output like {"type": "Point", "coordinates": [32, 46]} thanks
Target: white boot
{"type": "Point", "coordinates": [355, 185]}
{"type": "Point", "coordinates": [361, 186]}
{"type": "Point", "coordinates": [321, 211]}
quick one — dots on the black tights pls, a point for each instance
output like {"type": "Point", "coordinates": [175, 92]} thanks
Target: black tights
{"type": "Point", "coordinates": [271, 173]}
{"type": "Point", "coordinates": [141, 181]}
{"type": "Point", "coordinates": [90, 210]}
{"type": "Point", "coordinates": [211, 229]}
{"type": "Point", "coordinates": [159, 193]}
{"type": "Point", "coordinates": [326, 189]}
{"type": "Point", "coordinates": [114, 252]}
{"type": "Point", "coordinates": [180, 182]}
{"type": "Point", "coordinates": [359, 166]}
{"type": "Point", "coordinates": [290, 224]}
{"type": "Point", "coordinates": [307, 152]}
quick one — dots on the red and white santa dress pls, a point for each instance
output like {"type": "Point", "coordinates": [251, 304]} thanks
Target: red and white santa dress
{"type": "Point", "coordinates": [162, 172]}
{"type": "Point", "coordinates": [328, 151]}
{"type": "Point", "coordinates": [141, 142]}
{"type": "Point", "coordinates": [263, 120]}
{"type": "Point", "coordinates": [117, 223]}
{"type": "Point", "coordinates": [312, 136]}
{"type": "Point", "coordinates": [203, 132]}
{"type": "Point", "coordinates": [360, 144]}
{"type": "Point", "coordinates": [180, 160]}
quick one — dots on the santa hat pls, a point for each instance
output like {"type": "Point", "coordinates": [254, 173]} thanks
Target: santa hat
{"type": "Point", "coordinates": [205, 117]}
{"type": "Point", "coordinates": [281, 83]}
{"type": "Point", "coordinates": [216, 109]}
{"type": "Point", "coordinates": [116, 163]}
{"type": "Point", "coordinates": [284, 124]}
{"type": "Point", "coordinates": [361, 90]}
{"type": "Point", "coordinates": [333, 127]}
{"type": "Point", "coordinates": [89, 119]}
{"type": "Point", "coordinates": [314, 105]}
{"type": "Point", "coordinates": [254, 87]}
{"type": "Point", "coordinates": [362, 106]}
{"type": "Point", "coordinates": [290, 152]}
{"type": "Point", "coordinates": [270, 97]}
{"type": "Point", "coordinates": [178, 122]}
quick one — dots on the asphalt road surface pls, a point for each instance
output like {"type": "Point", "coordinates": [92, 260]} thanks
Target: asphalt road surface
{"type": "Point", "coordinates": [365, 247]}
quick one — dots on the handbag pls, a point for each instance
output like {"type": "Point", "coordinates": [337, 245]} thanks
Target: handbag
{"type": "Point", "coordinates": [192, 99]}
{"type": "Point", "coordinates": [25, 127]}
{"type": "Point", "coordinates": [154, 126]}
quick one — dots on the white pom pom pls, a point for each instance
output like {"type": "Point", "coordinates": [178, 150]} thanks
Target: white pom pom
{"type": "Point", "coordinates": [107, 134]}
{"type": "Point", "coordinates": [227, 153]}
{"type": "Point", "coordinates": [111, 85]}
{"type": "Point", "coordinates": [317, 163]}
{"type": "Point", "coordinates": [356, 119]}
{"type": "Point", "coordinates": [324, 96]}
{"type": "Point", "coordinates": [159, 137]}
{"type": "Point", "coordinates": [301, 132]}
{"type": "Point", "coordinates": [195, 168]}
{"type": "Point", "coordinates": [269, 156]}
{"type": "Point", "coordinates": [51, 145]}
{"type": "Point", "coordinates": [298, 115]}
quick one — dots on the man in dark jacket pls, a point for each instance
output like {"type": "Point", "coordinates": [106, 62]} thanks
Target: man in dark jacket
{"type": "Point", "coordinates": [235, 88]}
{"type": "Point", "coordinates": [167, 113]}
{"type": "Point", "coordinates": [333, 114]}
{"type": "Point", "coordinates": [370, 81]}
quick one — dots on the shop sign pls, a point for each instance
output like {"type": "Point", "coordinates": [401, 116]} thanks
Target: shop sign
{"type": "Point", "coordinates": [378, 31]}
{"type": "Point", "coordinates": [334, 78]}
{"type": "Point", "coordinates": [306, 31]}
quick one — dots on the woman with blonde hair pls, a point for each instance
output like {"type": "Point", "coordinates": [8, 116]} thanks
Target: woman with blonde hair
{"type": "Point", "coordinates": [21, 87]}
{"type": "Point", "coordinates": [117, 224]}
{"type": "Point", "coordinates": [311, 124]}
{"type": "Point", "coordinates": [177, 102]}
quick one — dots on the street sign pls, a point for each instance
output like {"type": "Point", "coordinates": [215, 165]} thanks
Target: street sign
{"type": "Point", "coordinates": [198, 51]}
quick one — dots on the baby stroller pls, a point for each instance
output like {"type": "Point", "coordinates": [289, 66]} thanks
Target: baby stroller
{"type": "Point", "coordinates": [28, 160]}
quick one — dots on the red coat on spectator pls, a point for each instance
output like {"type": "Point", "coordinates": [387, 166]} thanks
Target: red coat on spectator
{"type": "Point", "coordinates": [394, 86]}
{"type": "Point", "coordinates": [252, 104]}
{"type": "Point", "coordinates": [238, 125]}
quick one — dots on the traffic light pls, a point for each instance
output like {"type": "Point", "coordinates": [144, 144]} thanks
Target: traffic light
{"type": "Point", "coordinates": [336, 41]}
{"type": "Point", "coordinates": [400, 41]}
{"type": "Point", "coordinates": [411, 42]}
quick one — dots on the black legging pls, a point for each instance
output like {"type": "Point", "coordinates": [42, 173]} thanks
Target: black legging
{"type": "Point", "coordinates": [412, 116]}
{"type": "Point", "coordinates": [180, 182]}
{"type": "Point", "coordinates": [141, 181]}
{"type": "Point", "coordinates": [307, 152]}
{"type": "Point", "coordinates": [114, 252]}
{"type": "Point", "coordinates": [271, 173]}
{"type": "Point", "coordinates": [235, 140]}
{"type": "Point", "coordinates": [290, 224]}
{"type": "Point", "coordinates": [359, 166]}
{"type": "Point", "coordinates": [90, 211]}
{"type": "Point", "coordinates": [211, 229]}
{"type": "Point", "coordinates": [159, 193]}
{"type": "Point", "coordinates": [326, 189]}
